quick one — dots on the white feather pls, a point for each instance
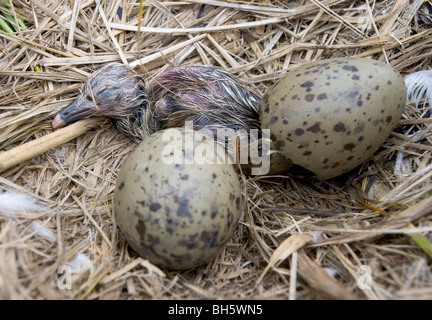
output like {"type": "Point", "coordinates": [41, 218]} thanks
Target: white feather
{"type": "Point", "coordinates": [419, 86]}
{"type": "Point", "coordinates": [332, 272]}
{"type": "Point", "coordinates": [316, 236]}
{"type": "Point", "coordinates": [81, 263]}
{"type": "Point", "coordinates": [43, 231]}
{"type": "Point", "coordinates": [14, 202]}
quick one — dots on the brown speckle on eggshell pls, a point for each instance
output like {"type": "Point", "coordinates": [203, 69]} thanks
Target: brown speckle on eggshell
{"type": "Point", "coordinates": [340, 101]}
{"type": "Point", "coordinates": [177, 215]}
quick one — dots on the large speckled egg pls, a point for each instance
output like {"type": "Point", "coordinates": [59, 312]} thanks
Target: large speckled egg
{"type": "Point", "coordinates": [331, 115]}
{"type": "Point", "coordinates": [178, 201]}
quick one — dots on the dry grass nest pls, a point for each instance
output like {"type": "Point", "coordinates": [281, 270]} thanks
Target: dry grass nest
{"type": "Point", "coordinates": [298, 238]}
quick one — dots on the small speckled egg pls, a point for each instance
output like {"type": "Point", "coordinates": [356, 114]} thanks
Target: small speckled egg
{"type": "Point", "coordinates": [331, 115]}
{"type": "Point", "coordinates": [178, 201]}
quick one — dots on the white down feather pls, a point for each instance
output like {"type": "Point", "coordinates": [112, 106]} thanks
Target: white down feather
{"type": "Point", "coordinates": [419, 87]}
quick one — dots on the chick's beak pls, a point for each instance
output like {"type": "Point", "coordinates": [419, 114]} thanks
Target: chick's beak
{"type": "Point", "coordinates": [75, 111]}
{"type": "Point", "coordinates": [58, 122]}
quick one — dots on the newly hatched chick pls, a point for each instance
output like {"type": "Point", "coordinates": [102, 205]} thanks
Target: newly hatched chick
{"type": "Point", "coordinates": [114, 91]}
{"type": "Point", "coordinates": [207, 96]}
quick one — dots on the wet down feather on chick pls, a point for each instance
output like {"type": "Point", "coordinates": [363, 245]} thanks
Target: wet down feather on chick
{"type": "Point", "coordinates": [207, 96]}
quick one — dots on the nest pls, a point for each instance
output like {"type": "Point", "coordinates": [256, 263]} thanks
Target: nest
{"type": "Point", "coordinates": [364, 235]}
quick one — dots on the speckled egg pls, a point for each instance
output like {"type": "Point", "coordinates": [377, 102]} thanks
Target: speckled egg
{"type": "Point", "coordinates": [178, 201]}
{"type": "Point", "coordinates": [331, 115]}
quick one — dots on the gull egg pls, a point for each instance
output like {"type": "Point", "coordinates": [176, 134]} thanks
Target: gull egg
{"type": "Point", "coordinates": [178, 199]}
{"type": "Point", "coordinates": [331, 115]}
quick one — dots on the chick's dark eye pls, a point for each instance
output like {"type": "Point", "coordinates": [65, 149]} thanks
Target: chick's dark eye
{"type": "Point", "coordinates": [104, 94]}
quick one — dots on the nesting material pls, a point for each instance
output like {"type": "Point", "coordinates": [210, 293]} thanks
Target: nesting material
{"type": "Point", "coordinates": [374, 223]}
